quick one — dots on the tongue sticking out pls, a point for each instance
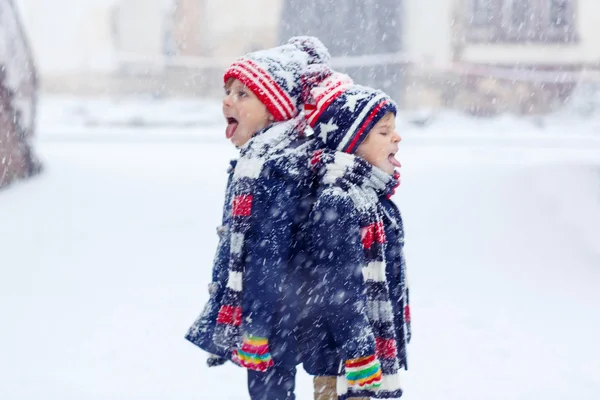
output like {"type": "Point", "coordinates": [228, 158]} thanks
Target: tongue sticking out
{"type": "Point", "coordinates": [230, 130]}
{"type": "Point", "coordinates": [393, 161]}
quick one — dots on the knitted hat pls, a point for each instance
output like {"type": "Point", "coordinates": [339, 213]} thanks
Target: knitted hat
{"type": "Point", "coordinates": [275, 75]}
{"type": "Point", "coordinates": [342, 113]}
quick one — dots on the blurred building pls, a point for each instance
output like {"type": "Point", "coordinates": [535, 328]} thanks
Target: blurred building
{"type": "Point", "coordinates": [140, 26]}
{"type": "Point", "coordinates": [182, 46]}
{"type": "Point", "coordinates": [218, 28]}
{"type": "Point", "coordinates": [225, 28]}
{"type": "Point", "coordinates": [450, 48]}
{"type": "Point", "coordinates": [361, 35]}
{"type": "Point", "coordinates": [466, 41]}
{"type": "Point", "coordinates": [442, 53]}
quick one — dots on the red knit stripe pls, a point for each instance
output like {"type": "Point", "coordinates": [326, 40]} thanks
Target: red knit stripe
{"type": "Point", "coordinates": [397, 179]}
{"type": "Point", "coordinates": [379, 232]}
{"type": "Point", "coordinates": [360, 362]}
{"type": "Point", "coordinates": [407, 313]}
{"type": "Point", "coordinates": [260, 350]}
{"type": "Point", "coordinates": [251, 83]}
{"type": "Point", "coordinates": [377, 378]}
{"type": "Point", "coordinates": [260, 367]}
{"type": "Point", "coordinates": [264, 79]}
{"type": "Point", "coordinates": [373, 233]}
{"type": "Point", "coordinates": [316, 158]}
{"type": "Point", "coordinates": [230, 315]}
{"type": "Point", "coordinates": [282, 94]}
{"type": "Point", "coordinates": [242, 205]}
{"type": "Point", "coordinates": [368, 236]}
{"type": "Point", "coordinates": [364, 126]}
{"type": "Point", "coordinates": [322, 107]}
{"type": "Point", "coordinates": [259, 75]}
{"type": "Point", "coordinates": [309, 109]}
{"type": "Point", "coordinates": [386, 348]}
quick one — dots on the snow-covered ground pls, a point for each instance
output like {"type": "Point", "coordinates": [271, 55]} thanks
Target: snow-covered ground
{"type": "Point", "coordinates": [106, 258]}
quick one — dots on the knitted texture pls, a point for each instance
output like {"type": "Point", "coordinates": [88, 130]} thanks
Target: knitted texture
{"type": "Point", "coordinates": [352, 179]}
{"type": "Point", "coordinates": [254, 354]}
{"type": "Point", "coordinates": [267, 151]}
{"type": "Point", "coordinates": [276, 75]}
{"type": "Point", "coordinates": [364, 373]}
{"type": "Point", "coordinates": [280, 202]}
{"type": "Point", "coordinates": [342, 113]}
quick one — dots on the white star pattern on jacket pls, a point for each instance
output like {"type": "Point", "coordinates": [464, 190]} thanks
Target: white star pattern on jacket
{"type": "Point", "coordinates": [327, 128]}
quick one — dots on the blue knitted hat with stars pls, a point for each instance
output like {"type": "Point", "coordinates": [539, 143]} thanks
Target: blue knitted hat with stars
{"type": "Point", "coordinates": [342, 113]}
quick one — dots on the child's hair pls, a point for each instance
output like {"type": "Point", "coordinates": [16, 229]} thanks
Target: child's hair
{"type": "Point", "coordinates": [342, 113]}
{"type": "Point", "coordinates": [276, 75]}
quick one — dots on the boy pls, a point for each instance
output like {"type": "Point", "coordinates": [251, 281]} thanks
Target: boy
{"type": "Point", "coordinates": [249, 318]}
{"type": "Point", "coordinates": [357, 239]}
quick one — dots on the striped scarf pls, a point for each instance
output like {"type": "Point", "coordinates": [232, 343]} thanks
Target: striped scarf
{"type": "Point", "coordinates": [364, 185]}
{"type": "Point", "coordinates": [270, 145]}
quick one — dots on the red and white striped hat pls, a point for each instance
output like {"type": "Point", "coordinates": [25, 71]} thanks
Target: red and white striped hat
{"type": "Point", "coordinates": [276, 75]}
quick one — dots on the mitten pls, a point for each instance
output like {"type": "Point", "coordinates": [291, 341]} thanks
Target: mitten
{"type": "Point", "coordinates": [254, 354]}
{"type": "Point", "coordinates": [364, 373]}
{"type": "Point", "coordinates": [214, 360]}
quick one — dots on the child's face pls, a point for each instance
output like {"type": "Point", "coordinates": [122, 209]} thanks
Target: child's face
{"type": "Point", "coordinates": [245, 114]}
{"type": "Point", "coordinates": [381, 145]}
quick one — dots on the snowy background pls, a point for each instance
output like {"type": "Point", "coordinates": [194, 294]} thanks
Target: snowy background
{"type": "Point", "coordinates": [106, 256]}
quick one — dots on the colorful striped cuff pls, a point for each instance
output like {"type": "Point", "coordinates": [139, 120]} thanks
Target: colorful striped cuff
{"type": "Point", "coordinates": [254, 354]}
{"type": "Point", "coordinates": [364, 371]}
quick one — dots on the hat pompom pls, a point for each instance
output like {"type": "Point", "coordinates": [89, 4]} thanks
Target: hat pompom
{"type": "Point", "coordinates": [322, 84]}
{"type": "Point", "coordinates": [313, 76]}
{"type": "Point", "coordinates": [313, 47]}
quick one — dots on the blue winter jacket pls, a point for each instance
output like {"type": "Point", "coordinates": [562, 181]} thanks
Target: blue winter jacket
{"type": "Point", "coordinates": [274, 293]}
{"type": "Point", "coordinates": [330, 328]}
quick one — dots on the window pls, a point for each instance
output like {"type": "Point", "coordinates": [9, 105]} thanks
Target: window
{"type": "Point", "coordinates": [521, 21]}
{"type": "Point", "coordinates": [561, 20]}
{"type": "Point", "coordinates": [484, 19]}
{"type": "Point", "coordinates": [483, 12]}
{"type": "Point", "coordinates": [521, 13]}
{"type": "Point", "coordinates": [559, 13]}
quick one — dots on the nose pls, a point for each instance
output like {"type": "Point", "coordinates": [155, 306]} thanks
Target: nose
{"type": "Point", "coordinates": [396, 138]}
{"type": "Point", "coordinates": [227, 100]}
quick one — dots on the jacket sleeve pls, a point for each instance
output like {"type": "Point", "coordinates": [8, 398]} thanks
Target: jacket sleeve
{"type": "Point", "coordinates": [267, 255]}
{"type": "Point", "coordinates": [221, 260]}
{"type": "Point", "coordinates": [339, 255]}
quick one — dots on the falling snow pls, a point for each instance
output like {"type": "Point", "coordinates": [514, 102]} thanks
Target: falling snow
{"type": "Point", "coordinates": [107, 254]}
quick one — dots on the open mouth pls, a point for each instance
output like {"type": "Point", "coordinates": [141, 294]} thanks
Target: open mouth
{"type": "Point", "coordinates": [392, 159]}
{"type": "Point", "coordinates": [232, 125]}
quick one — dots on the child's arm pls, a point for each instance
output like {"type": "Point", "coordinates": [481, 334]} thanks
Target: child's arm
{"type": "Point", "coordinates": [340, 258]}
{"type": "Point", "coordinates": [221, 260]}
{"type": "Point", "coordinates": [201, 332]}
{"type": "Point", "coordinates": [268, 253]}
